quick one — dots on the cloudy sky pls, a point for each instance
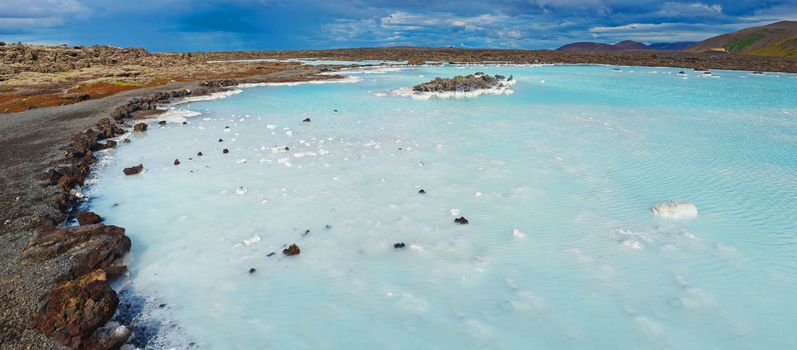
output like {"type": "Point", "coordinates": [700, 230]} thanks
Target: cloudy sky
{"type": "Point", "coordinates": [183, 25]}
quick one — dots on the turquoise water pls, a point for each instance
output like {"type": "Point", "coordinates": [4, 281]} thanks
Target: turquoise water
{"type": "Point", "coordinates": [556, 179]}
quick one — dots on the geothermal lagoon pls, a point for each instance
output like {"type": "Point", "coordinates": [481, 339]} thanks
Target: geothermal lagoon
{"type": "Point", "coordinates": [556, 176]}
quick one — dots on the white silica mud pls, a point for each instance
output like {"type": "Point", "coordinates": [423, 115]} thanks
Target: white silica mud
{"type": "Point", "coordinates": [555, 182]}
{"type": "Point", "coordinates": [675, 210]}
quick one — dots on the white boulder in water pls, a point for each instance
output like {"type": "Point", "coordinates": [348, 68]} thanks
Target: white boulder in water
{"type": "Point", "coordinates": [675, 210]}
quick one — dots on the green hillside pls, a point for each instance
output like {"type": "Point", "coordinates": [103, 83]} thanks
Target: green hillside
{"type": "Point", "coordinates": [777, 40]}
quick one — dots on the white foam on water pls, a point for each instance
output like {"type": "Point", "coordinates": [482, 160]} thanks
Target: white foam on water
{"type": "Point", "coordinates": [177, 115]}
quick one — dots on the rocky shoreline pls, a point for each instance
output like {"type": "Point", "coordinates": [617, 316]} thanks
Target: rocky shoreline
{"type": "Point", "coordinates": [69, 301]}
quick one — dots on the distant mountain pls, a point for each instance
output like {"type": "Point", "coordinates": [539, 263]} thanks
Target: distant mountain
{"type": "Point", "coordinates": [589, 46]}
{"type": "Point", "coordinates": [623, 45]}
{"type": "Point", "coordinates": [776, 40]}
{"type": "Point", "coordinates": [672, 46]}
{"type": "Point", "coordinates": [632, 45]}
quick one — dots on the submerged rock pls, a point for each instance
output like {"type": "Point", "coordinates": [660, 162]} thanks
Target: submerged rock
{"type": "Point", "coordinates": [461, 220]}
{"type": "Point", "coordinates": [306, 120]}
{"type": "Point", "coordinates": [133, 170]}
{"type": "Point", "coordinates": [674, 210]}
{"type": "Point", "coordinates": [88, 218]}
{"type": "Point", "coordinates": [292, 250]}
{"type": "Point", "coordinates": [140, 127]}
{"type": "Point", "coordinates": [468, 83]}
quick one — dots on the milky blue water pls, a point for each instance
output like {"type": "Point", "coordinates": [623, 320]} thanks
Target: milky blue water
{"type": "Point", "coordinates": [556, 180]}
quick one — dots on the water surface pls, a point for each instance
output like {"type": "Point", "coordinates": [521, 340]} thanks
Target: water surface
{"type": "Point", "coordinates": [572, 161]}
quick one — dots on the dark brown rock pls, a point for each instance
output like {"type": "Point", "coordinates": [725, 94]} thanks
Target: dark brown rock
{"type": "Point", "coordinates": [176, 162]}
{"type": "Point", "coordinates": [292, 250]}
{"type": "Point", "coordinates": [107, 144]}
{"type": "Point", "coordinates": [461, 220]}
{"type": "Point", "coordinates": [75, 309]}
{"type": "Point", "coordinates": [88, 247]}
{"type": "Point", "coordinates": [133, 170]}
{"type": "Point", "coordinates": [140, 127]}
{"type": "Point", "coordinates": [88, 218]}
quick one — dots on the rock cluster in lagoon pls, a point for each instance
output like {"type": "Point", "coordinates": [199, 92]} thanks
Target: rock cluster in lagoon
{"type": "Point", "coordinates": [467, 83]}
{"type": "Point", "coordinates": [461, 86]}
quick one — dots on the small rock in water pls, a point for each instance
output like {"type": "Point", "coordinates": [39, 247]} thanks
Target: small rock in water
{"type": "Point", "coordinates": [422, 191]}
{"type": "Point", "coordinates": [252, 270]}
{"type": "Point", "coordinates": [327, 227]}
{"type": "Point", "coordinates": [306, 120]}
{"type": "Point", "coordinates": [220, 140]}
{"type": "Point", "coordinates": [399, 245]}
{"type": "Point", "coordinates": [292, 250]}
{"type": "Point", "coordinates": [140, 127]}
{"type": "Point", "coordinates": [176, 162]}
{"type": "Point", "coordinates": [461, 220]}
{"type": "Point", "coordinates": [161, 306]}
{"type": "Point", "coordinates": [225, 151]}
{"type": "Point", "coordinates": [126, 141]}
{"type": "Point", "coordinates": [199, 154]}
{"type": "Point", "coordinates": [270, 254]}
{"type": "Point", "coordinates": [306, 232]}
{"type": "Point", "coordinates": [185, 123]}
{"type": "Point", "coordinates": [162, 123]}
{"type": "Point", "coordinates": [133, 169]}
{"type": "Point", "coordinates": [287, 149]}
{"type": "Point", "coordinates": [335, 110]}
{"type": "Point", "coordinates": [675, 210]}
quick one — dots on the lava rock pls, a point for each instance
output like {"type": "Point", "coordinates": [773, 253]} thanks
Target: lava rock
{"type": "Point", "coordinates": [108, 144]}
{"type": "Point", "coordinates": [292, 250]}
{"type": "Point", "coordinates": [399, 245]}
{"type": "Point", "coordinates": [140, 127]}
{"type": "Point", "coordinates": [133, 170]}
{"type": "Point", "coordinates": [88, 247]}
{"type": "Point", "coordinates": [176, 162]}
{"type": "Point", "coordinates": [88, 218]}
{"type": "Point", "coordinates": [477, 81]}
{"type": "Point", "coordinates": [461, 220]}
{"type": "Point", "coordinates": [75, 309]}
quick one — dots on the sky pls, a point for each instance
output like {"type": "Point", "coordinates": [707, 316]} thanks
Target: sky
{"type": "Point", "coordinates": [218, 25]}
